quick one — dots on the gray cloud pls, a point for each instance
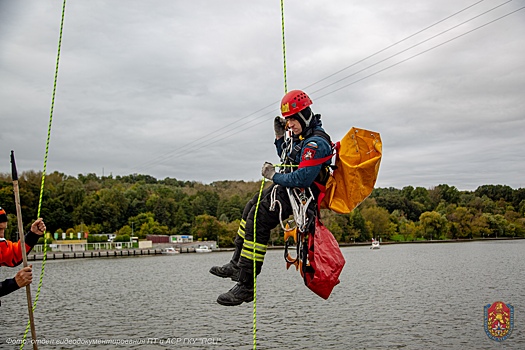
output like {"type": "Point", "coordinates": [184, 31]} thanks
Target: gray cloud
{"type": "Point", "coordinates": [189, 89]}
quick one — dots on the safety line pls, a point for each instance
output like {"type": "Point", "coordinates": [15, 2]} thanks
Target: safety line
{"type": "Point", "coordinates": [259, 201]}
{"type": "Point", "coordinates": [284, 48]}
{"type": "Point", "coordinates": [45, 169]}
{"type": "Point", "coordinates": [255, 267]}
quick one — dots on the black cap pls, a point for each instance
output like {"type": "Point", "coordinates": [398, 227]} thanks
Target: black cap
{"type": "Point", "coordinates": [3, 215]}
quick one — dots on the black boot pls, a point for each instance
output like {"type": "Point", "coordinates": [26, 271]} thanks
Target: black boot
{"type": "Point", "coordinates": [242, 292]}
{"type": "Point", "coordinates": [230, 270]}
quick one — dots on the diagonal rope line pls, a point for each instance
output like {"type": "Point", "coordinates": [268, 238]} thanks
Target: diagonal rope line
{"type": "Point", "coordinates": [255, 267]}
{"type": "Point", "coordinates": [45, 169]}
{"type": "Point", "coordinates": [317, 97]}
{"type": "Point", "coordinates": [413, 46]}
{"type": "Point", "coordinates": [416, 55]}
{"type": "Point", "coordinates": [233, 132]}
{"type": "Point", "coordinates": [284, 47]}
{"type": "Point", "coordinates": [394, 44]}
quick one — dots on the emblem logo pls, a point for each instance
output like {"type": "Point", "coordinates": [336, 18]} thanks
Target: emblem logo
{"type": "Point", "coordinates": [308, 154]}
{"type": "Point", "coordinates": [499, 320]}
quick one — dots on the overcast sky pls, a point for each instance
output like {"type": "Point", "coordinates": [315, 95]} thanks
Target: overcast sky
{"type": "Point", "coordinates": [189, 89]}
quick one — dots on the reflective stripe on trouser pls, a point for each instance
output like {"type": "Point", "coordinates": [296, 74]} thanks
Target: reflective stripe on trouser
{"type": "Point", "coordinates": [256, 254]}
{"type": "Point", "coordinates": [266, 220]}
{"type": "Point", "coordinates": [241, 230]}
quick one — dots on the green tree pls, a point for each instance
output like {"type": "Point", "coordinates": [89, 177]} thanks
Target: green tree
{"type": "Point", "coordinates": [497, 224]}
{"type": "Point", "coordinates": [207, 227]}
{"type": "Point", "coordinates": [163, 207]}
{"type": "Point", "coordinates": [434, 224]}
{"type": "Point", "coordinates": [357, 223]}
{"type": "Point", "coordinates": [480, 226]}
{"type": "Point", "coordinates": [462, 218]}
{"type": "Point", "coordinates": [151, 227]}
{"type": "Point", "coordinates": [379, 220]}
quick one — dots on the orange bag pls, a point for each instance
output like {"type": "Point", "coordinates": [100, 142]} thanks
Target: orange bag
{"type": "Point", "coordinates": [357, 165]}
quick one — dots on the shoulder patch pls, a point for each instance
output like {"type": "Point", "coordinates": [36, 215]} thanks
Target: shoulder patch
{"type": "Point", "coordinates": [311, 144]}
{"type": "Point", "coordinates": [308, 154]}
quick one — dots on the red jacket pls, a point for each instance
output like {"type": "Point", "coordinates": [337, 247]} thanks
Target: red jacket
{"type": "Point", "coordinates": [11, 253]}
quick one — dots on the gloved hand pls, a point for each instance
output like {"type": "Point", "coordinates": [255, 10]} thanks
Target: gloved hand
{"type": "Point", "coordinates": [279, 125]}
{"type": "Point", "coordinates": [268, 170]}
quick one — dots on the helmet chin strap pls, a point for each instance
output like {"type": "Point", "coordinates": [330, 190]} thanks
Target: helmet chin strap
{"type": "Point", "coordinates": [306, 121]}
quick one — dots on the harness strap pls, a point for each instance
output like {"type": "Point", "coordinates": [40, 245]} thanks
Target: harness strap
{"type": "Point", "coordinates": [314, 162]}
{"type": "Point", "coordinates": [317, 161]}
{"type": "Point", "coordinates": [322, 194]}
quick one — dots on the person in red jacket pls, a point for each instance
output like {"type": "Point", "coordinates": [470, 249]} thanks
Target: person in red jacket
{"type": "Point", "coordinates": [11, 254]}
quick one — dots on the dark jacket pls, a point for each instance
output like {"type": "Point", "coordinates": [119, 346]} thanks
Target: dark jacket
{"type": "Point", "coordinates": [312, 147]}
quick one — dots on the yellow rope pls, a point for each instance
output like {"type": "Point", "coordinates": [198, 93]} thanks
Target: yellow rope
{"type": "Point", "coordinates": [259, 200]}
{"type": "Point", "coordinates": [284, 47]}
{"type": "Point", "coordinates": [45, 169]}
{"type": "Point", "coordinates": [255, 268]}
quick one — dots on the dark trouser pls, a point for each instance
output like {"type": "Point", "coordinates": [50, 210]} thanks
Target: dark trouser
{"type": "Point", "coordinates": [255, 249]}
{"type": "Point", "coordinates": [241, 232]}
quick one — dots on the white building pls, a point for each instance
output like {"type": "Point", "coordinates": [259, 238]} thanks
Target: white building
{"type": "Point", "coordinates": [181, 239]}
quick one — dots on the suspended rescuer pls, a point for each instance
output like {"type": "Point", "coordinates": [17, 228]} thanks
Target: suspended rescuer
{"type": "Point", "coordinates": [11, 254]}
{"type": "Point", "coordinates": [309, 141]}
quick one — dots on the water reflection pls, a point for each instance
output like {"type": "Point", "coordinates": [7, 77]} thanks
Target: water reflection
{"type": "Point", "coordinates": [402, 296]}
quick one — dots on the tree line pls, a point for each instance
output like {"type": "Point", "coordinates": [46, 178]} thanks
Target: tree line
{"type": "Point", "coordinates": [140, 205]}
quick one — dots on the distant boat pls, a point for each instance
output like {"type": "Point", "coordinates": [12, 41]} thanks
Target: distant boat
{"type": "Point", "coordinates": [375, 244]}
{"type": "Point", "coordinates": [169, 251]}
{"type": "Point", "coordinates": [203, 249]}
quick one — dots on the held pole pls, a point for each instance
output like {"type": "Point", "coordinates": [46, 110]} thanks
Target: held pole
{"type": "Point", "coordinates": [14, 174]}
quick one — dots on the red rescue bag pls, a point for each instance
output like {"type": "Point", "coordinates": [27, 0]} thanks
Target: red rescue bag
{"type": "Point", "coordinates": [325, 262]}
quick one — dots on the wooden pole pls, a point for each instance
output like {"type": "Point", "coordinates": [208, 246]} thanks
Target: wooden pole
{"type": "Point", "coordinates": [23, 246]}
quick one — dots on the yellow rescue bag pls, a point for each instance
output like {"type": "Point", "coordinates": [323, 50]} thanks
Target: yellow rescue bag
{"type": "Point", "coordinates": [357, 165]}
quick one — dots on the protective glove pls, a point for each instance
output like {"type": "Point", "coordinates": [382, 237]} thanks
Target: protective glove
{"type": "Point", "coordinates": [268, 170]}
{"type": "Point", "coordinates": [279, 125]}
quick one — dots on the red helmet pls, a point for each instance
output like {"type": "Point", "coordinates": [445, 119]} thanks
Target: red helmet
{"type": "Point", "coordinates": [294, 102]}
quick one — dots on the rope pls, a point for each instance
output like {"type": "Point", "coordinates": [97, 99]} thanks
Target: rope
{"type": "Point", "coordinates": [259, 201]}
{"type": "Point", "coordinates": [255, 267]}
{"type": "Point", "coordinates": [284, 47]}
{"type": "Point", "coordinates": [45, 169]}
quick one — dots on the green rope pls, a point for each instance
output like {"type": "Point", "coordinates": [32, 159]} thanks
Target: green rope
{"type": "Point", "coordinates": [255, 268]}
{"type": "Point", "coordinates": [254, 263]}
{"type": "Point", "coordinates": [45, 169]}
{"type": "Point", "coordinates": [259, 200]}
{"type": "Point", "coordinates": [284, 47]}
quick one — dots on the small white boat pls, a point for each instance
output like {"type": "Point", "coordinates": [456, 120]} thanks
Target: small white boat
{"type": "Point", "coordinates": [203, 249]}
{"type": "Point", "coordinates": [169, 250]}
{"type": "Point", "coordinates": [375, 244]}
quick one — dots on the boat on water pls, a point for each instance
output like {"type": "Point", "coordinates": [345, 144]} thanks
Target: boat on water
{"type": "Point", "coordinates": [169, 251]}
{"type": "Point", "coordinates": [375, 244]}
{"type": "Point", "coordinates": [203, 249]}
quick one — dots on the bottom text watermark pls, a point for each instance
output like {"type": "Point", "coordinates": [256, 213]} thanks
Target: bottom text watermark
{"type": "Point", "coordinates": [144, 341]}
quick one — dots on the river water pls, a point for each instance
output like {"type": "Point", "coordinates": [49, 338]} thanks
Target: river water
{"type": "Point", "coordinates": [409, 296]}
